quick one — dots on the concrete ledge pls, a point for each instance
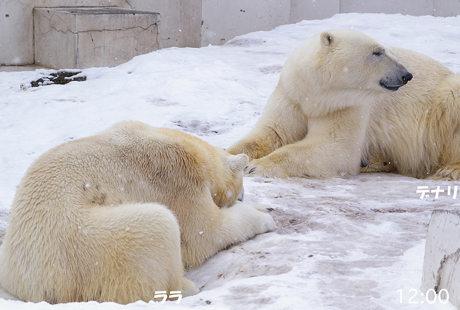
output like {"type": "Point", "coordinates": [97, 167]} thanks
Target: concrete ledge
{"type": "Point", "coordinates": [441, 267]}
{"type": "Point", "coordinates": [75, 38]}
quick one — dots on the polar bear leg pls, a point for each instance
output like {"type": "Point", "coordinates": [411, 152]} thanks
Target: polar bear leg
{"type": "Point", "coordinates": [136, 253]}
{"type": "Point", "coordinates": [118, 253]}
{"type": "Point", "coordinates": [282, 123]}
{"type": "Point", "coordinates": [7, 296]}
{"type": "Point", "coordinates": [378, 163]}
{"type": "Point", "coordinates": [188, 288]}
{"type": "Point", "coordinates": [332, 147]}
{"type": "Point", "coordinates": [449, 172]}
{"type": "Point", "coordinates": [220, 228]}
{"type": "Point", "coordinates": [443, 126]}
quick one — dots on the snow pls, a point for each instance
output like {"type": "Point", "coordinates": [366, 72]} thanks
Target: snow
{"type": "Point", "coordinates": [344, 243]}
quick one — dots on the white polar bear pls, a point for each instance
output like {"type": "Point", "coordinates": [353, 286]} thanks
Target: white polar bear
{"type": "Point", "coordinates": [95, 218]}
{"type": "Point", "coordinates": [340, 100]}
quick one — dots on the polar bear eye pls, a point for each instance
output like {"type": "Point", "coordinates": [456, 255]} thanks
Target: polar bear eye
{"type": "Point", "coordinates": [378, 53]}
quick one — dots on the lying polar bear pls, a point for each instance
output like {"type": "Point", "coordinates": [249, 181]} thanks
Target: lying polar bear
{"type": "Point", "coordinates": [114, 217]}
{"type": "Point", "coordinates": [342, 98]}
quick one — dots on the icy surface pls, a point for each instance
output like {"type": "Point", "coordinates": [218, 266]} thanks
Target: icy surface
{"type": "Point", "coordinates": [348, 243]}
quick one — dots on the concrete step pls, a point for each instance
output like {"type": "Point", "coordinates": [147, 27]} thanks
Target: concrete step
{"type": "Point", "coordinates": [76, 38]}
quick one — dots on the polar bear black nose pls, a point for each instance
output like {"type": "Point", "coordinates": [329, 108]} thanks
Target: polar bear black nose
{"type": "Point", "coordinates": [241, 197]}
{"type": "Point", "coordinates": [407, 77]}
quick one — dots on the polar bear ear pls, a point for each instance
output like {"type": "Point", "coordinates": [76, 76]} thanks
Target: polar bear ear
{"type": "Point", "coordinates": [326, 39]}
{"type": "Point", "coordinates": [238, 162]}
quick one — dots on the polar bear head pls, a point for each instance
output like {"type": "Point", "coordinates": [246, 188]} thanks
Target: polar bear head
{"type": "Point", "coordinates": [357, 60]}
{"type": "Point", "coordinates": [341, 61]}
{"type": "Point", "coordinates": [227, 185]}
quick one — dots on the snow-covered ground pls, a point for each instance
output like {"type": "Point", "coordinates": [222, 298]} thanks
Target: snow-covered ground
{"type": "Point", "coordinates": [351, 243]}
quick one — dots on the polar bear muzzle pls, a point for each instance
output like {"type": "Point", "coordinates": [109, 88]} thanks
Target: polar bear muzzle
{"type": "Point", "coordinates": [395, 82]}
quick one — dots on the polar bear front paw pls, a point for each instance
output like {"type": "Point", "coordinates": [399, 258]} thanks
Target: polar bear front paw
{"type": "Point", "coordinates": [447, 173]}
{"type": "Point", "coordinates": [264, 218]}
{"type": "Point", "coordinates": [263, 168]}
{"type": "Point", "coordinates": [262, 208]}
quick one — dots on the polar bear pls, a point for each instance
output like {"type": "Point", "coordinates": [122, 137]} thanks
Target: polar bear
{"type": "Point", "coordinates": [95, 218]}
{"type": "Point", "coordinates": [342, 99]}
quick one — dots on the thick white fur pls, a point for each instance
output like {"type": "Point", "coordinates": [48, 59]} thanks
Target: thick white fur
{"type": "Point", "coordinates": [95, 219]}
{"type": "Point", "coordinates": [329, 112]}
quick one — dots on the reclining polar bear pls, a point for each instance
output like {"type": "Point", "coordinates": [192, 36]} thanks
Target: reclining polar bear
{"type": "Point", "coordinates": [89, 221]}
{"type": "Point", "coordinates": [342, 98]}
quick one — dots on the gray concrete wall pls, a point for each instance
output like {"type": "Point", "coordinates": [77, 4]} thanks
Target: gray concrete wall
{"type": "Point", "coordinates": [446, 8]}
{"type": "Point", "coordinates": [319, 9]}
{"type": "Point", "coordinates": [224, 20]}
{"type": "Point", "coordinates": [408, 7]}
{"type": "Point", "coordinates": [170, 20]}
{"type": "Point", "coordinates": [190, 23]}
{"type": "Point", "coordinates": [417, 8]}
{"type": "Point", "coordinates": [196, 23]}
